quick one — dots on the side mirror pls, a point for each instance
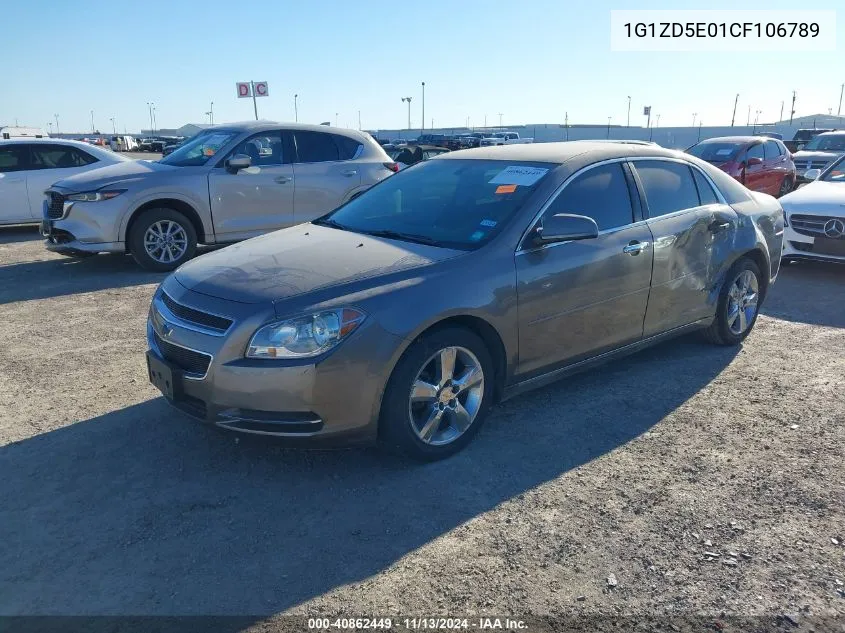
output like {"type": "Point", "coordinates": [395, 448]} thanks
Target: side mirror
{"type": "Point", "coordinates": [812, 174]}
{"type": "Point", "coordinates": [237, 162]}
{"type": "Point", "coordinates": [754, 161]}
{"type": "Point", "coordinates": [564, 227]}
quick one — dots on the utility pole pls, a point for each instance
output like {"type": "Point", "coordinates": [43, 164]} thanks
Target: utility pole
{"type": "Point", "coordinates": [57, 124]}
{"type": "Point", "coordinates": [211, 112]}
{"type": "Point", "coordinates": [733, 117]}
{"type": "Point", "coordinates": [694, 114]}
{"type": "Point", "coordinates": [408, 99]}
{"type": "Point", "coordinates": [92, 121]}
{"type": "Point", "coordinates": [841, 90]}
{"type": "Point", "coordinates": [113, 126]}
{"type": "Point", "coordinates": [422, 125]}
{"type": "Point", "coordinates": [500, 119]}
{"type": "Point", "coordinates": [295, 109]}
{"type": "Point", "coordinates": [629, 111]}
{"type": "Point", "coordinates": [608, 126]}
{"type": "Point", "coordinates": [566, 124]}
{"type": "Point", "coordinates": [792, 110]}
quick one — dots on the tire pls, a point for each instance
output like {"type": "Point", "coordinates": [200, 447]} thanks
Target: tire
{"type": "Point", "coordinates": [181, 248]}
{"type": "Point", "coordinates": [785, 187]}
{"type": "Point", "coordinates": [726, 330]}
{"type": "Point", "coordinates": [402, 423]}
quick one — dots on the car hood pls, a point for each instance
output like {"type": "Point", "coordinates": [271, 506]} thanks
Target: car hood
{"type": "Point", "coordinates": [818, 196]}
{"type": "Point", "coordinates": [124, 173]}
{"type": "Point", "coordinates": [805, 155]}
{"type": "Point", "coordinates": [301, 259]}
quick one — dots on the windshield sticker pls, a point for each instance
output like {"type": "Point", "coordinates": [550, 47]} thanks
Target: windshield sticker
{"type": "Point", "coordinates": [476, 236]}
{"type": "Point", "coordinates": [214, 143]}
{"type": "Point", "coordinates": [519, 175]}
{"type": "Point", "coordinates": [505, 188]}
{"type": "Point", "coordinates": [724, 152]}
{"type": "Point", "coordinates": [489, 223]}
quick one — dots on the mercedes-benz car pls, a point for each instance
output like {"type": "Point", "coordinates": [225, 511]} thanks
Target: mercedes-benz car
{"type": "Point", "coordinates": [229, 183]}
{"type": "Point", "coordinates": [405, 314]}
{"type": "Point", "coordinates": [815, 216]}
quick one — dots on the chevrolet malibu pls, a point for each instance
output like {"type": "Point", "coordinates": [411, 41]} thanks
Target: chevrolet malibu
{"type": "Point", "coordinates": [405, 314]}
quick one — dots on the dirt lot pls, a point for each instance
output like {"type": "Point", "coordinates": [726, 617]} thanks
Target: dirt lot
{"type": "Point", "coordinates": [699, 480]}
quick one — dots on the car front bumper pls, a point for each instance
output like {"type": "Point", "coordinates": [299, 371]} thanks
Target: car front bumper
{"type": "Point", "coordinates": [332, 399]}
{"type": "Point", "coordinates": [797, 246]}
{"type": "Point", "coordinates": [92, 227]}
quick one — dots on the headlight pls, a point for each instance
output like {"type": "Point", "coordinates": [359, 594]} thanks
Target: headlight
{"type": "Point", "coordinates": [95, 196]}
{"type": "Point", "coordinates": [304, 336]}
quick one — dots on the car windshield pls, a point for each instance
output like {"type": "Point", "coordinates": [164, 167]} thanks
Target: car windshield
{"type": "Point", "coordinates": [716, 151]}
{"type": "Point", "coordinates": [199, 150]}
{"type": "Point", "coordinates": [454, 203]}
{"type": "Point", "coordinates": [836, 172]}
{"type": "Point", "coordinates": [823, 143]}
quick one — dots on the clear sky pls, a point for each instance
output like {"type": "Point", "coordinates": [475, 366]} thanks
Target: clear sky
{"type": "Point", "coordinates": [532, 60]}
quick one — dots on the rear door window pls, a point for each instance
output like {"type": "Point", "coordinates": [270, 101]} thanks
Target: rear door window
{"type": "Point", "coordinates": [668, 186]}
{"type": "Point", "coordinates": [315, 147]}
{"type": "Point", "coordinates": [705, 191]}
{"type": "Point", "coordinates": [772, 150]}
{"type": "Point", "coordinates": [347, 148]}
{"type": "Point", "coordinates": [44, 156]}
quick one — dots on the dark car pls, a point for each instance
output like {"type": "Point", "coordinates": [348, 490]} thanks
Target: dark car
{"type": "Point", "coordinates": [802, 137]}
{"type": "Point", "coordinates": [413, 154]}
{"type": "Point", "coordinates": [760, 163]}
{"type": "Point", "coordinates": [818, 153]}
{"type": "Point", "coordinates": [465, 280]}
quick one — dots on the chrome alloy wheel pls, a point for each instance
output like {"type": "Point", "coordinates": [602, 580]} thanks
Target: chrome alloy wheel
{"type": "Point", "coordinates": [166, 241]}
{"type": "Point", "coordinates": [446, 396]}
{"type": "Point", "coordinates": [742, 301]}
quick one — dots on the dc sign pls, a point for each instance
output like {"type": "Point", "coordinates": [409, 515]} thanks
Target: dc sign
{"type": "Point", "coordinates": [253, 89]}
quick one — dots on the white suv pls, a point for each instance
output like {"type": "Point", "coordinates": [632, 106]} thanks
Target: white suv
{"type": "Point", "coordinates": [228, 183]}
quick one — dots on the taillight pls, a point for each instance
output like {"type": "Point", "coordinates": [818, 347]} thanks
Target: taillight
{"type": "Point", "coordinates": [394, 167]}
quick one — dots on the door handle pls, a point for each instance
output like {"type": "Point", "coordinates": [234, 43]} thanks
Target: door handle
{"type": "Point", "coordinates": [635, 248]}
{"type": "Point", "coordinates": [282, 180]}
{"type": "Point", "coordinates": [716, 226]}
{"type": "Point", "coordinates": [350, 172]}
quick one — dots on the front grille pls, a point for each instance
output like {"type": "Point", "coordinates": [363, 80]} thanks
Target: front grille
{"type": "Point", "coordinates": [196, 316]}
{"type": "Point", "coordinates": [811, 164]}
{"type": "Point", "coordinates": [812, 225]}
{"type": "Point", "coordinates": [187, 360]}
{"type": "Point", "coordinates": [57, 206]}
{"type": "Point", "coordinates": [822, 246]}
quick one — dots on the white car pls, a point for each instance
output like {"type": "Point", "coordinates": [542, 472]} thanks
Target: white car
{"type": "Point", "coordinates": [28, 166]}
{"type": "Point", "coordinates": [815, 217]}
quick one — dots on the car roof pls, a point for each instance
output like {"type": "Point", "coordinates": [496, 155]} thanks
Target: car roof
{"type": "Point", "coordinates": [563, 151]}
{"type": "Point", "coordinates": [736, 139]}
{"type": "Point", "coordinates": [832, 133]}
{"type": "Point", "coordinates": [266, 126]}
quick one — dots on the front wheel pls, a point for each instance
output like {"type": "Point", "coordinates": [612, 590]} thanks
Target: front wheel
{"type": "Point", "coordinates": [785, 187]}
{"type": "Point", "coordinates": [438, 395]}
{"type": "Point", "coordinates": [162, 240]}
{"type": "Point", "coordinates": [738, 305]}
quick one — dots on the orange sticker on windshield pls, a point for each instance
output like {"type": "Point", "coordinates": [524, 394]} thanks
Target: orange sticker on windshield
{"type": "Point", "coordinates": [505, 188]}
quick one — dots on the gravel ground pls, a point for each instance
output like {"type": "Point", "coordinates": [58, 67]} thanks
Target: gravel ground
{"type": "Point", "coordinates": [688, 479]}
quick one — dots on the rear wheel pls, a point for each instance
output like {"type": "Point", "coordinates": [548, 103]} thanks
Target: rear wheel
{"type": "Point", "coordinates": [738, 305]}
{"type": "Point", "coordinates": [438, 395]}
{"type": "Point", "coordinates": [785, 186]}
{"type": "Point", "coordinates": [162, 239]}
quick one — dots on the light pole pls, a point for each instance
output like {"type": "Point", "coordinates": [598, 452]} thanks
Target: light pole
{"type": "Point", "coordinates": [92, 121]}
{"type": "Point", "coordinates": [748, 118]}
{"type": "Point", "coordinates": [694, 114]}
{"type": "Point", "coordinates": [295, 109]}
{"type": "Point", "coordinates": [335, 119]}
{"type": "Point", "coordinates": [408, 99]}
{"type": "Point", "coordinates": [208, 114]}
{"type": "Point", "coordinates": [566, 124]}
{"type": "Point", "coordinates": [629, 110]}
{"type": "Point", "coordinates": [792, 110]}
{"type": "Point", "coordinates": [658, 121]}
{"type": "Point", "coordinates": [841, 90]}
{"type": "Point", "coordinates": [211, 113]}
{"type": "Point", "coordinates": [608, 126]}
{"type": "Point", "coordinates": [422, 125]}
{"type": "Point", "coordinates": [733, 117]}
{"type": "Point", "coordinates": [113, 126]}
{"type": "Point", "coordinates": [155, 123]}
{"type": "Point", "coordinates": [500, 119]}
{"type": "Point", "coordinates": [58, 133]}
{"type": "Point", "coordinates": [50, 125]}
{"type": "Point", "coordinates": [781, 111]}
{"type": "Point", "coordinates": [150, 105]}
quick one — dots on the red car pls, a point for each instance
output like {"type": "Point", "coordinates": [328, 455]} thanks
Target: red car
{"type": "Point", "coordinates": [759, 163]}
